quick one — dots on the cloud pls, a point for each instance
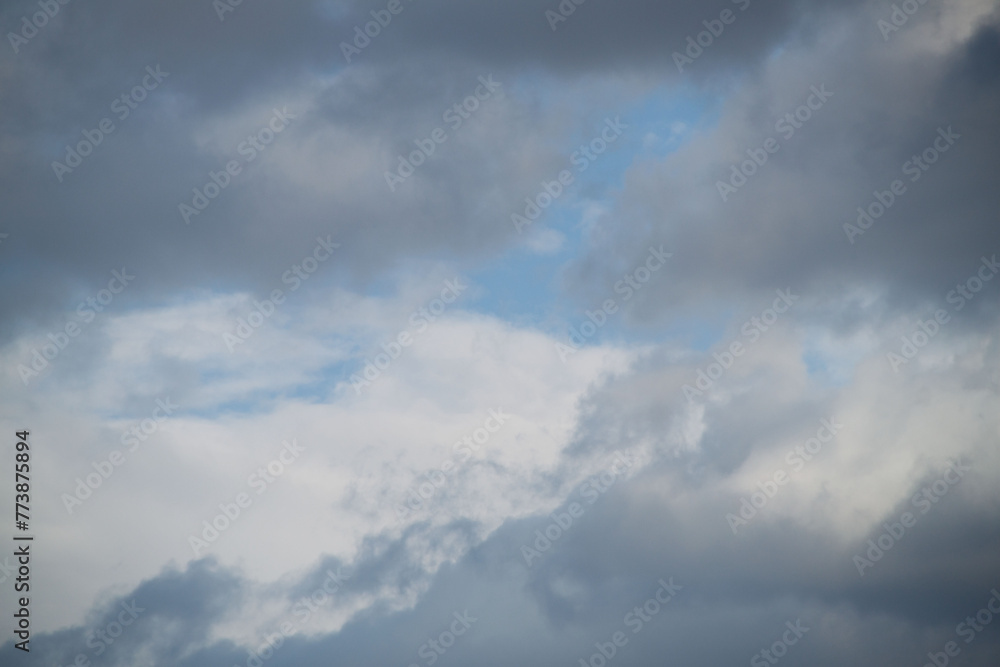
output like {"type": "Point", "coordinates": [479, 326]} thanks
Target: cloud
{"type": "Point", "coordinates": [329, 413]}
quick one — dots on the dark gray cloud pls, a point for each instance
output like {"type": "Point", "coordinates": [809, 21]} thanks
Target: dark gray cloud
{"type": "Point", "coordinates": [162, 617]}
{"type": "Point", "coordinates": [785, 226]}
{"type": "Point", "coordinates": [126, 195]}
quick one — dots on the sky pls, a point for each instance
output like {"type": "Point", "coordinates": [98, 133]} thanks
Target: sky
{"type": "Point", "coordinates": [438, 332]}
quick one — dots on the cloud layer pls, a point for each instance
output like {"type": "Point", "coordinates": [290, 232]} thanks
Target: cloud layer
{"type": "Point", "coordinates": [347, 346]}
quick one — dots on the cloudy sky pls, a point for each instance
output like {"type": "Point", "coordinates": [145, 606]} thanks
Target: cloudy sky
{"type": "Point", "coordinates": [440, 332]}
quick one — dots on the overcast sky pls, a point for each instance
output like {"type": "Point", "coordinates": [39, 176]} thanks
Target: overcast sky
{"type": "Point", "coordinates": [443, 332]}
